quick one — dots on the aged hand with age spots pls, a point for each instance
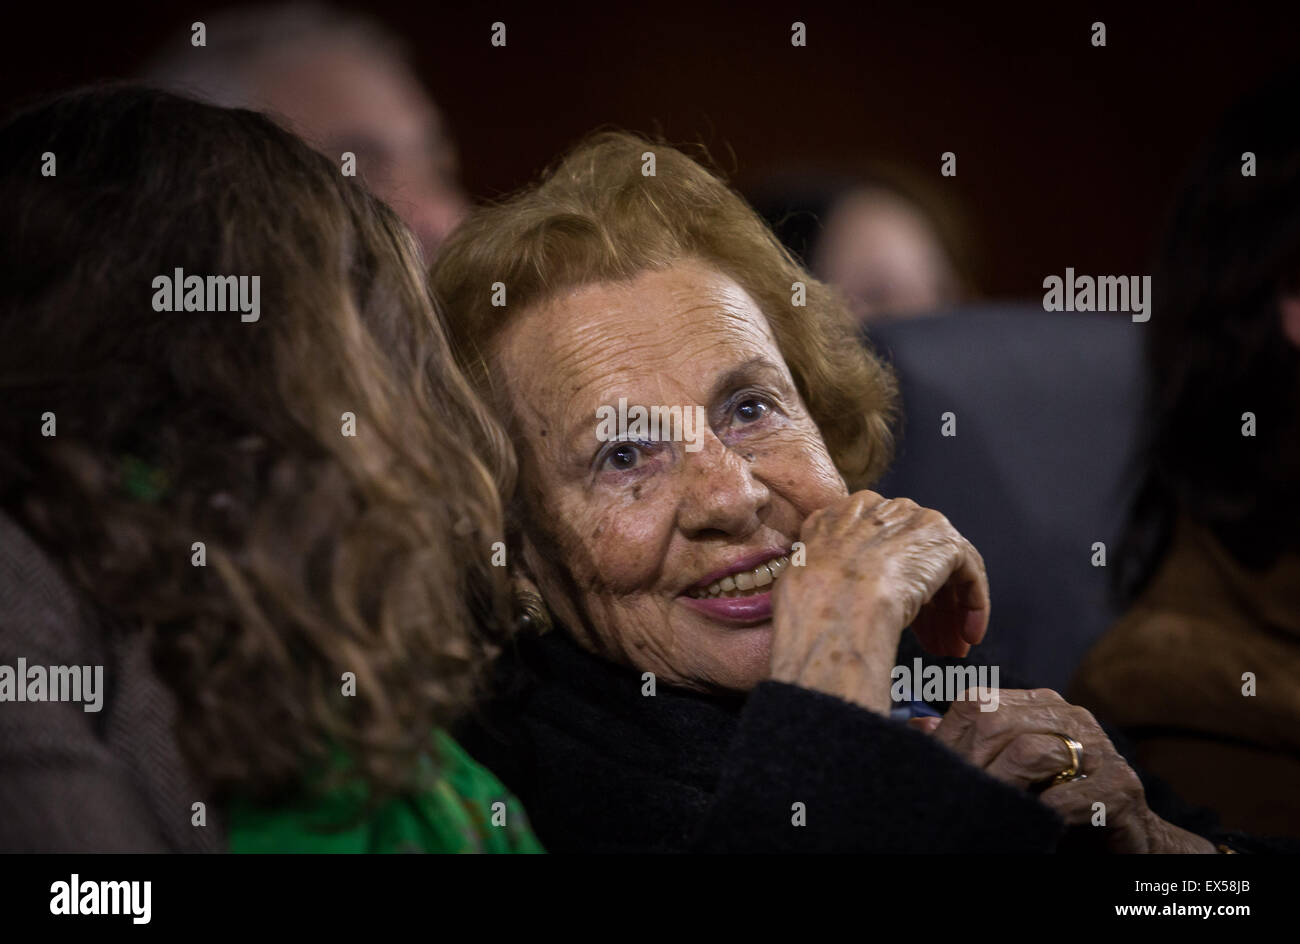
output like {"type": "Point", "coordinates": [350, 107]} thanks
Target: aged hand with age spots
{"type": "Point", "coordinates": [1018, 745]}
{"type": "Point", "coordinates": [873, 567]}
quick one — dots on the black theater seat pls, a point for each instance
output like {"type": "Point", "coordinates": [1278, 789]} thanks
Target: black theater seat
{"type": "Point", "coordinates": [1039, 470]}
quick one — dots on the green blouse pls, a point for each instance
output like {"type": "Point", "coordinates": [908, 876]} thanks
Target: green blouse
{"type": "Point", "coordinates": [454, 813]}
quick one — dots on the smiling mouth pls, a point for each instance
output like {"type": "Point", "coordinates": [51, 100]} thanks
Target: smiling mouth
{"type": "Point", "coordinates": [746, 583]}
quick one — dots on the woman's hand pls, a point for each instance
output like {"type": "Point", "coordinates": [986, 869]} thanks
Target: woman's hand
{"type": "Point", "coordinates": [873, 567]}
{"type": "Point", "coordinates": [1018, 744]}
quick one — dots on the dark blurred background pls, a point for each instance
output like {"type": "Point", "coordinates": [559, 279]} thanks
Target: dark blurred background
{"type": "Point", "coordinates": [1067, 154]}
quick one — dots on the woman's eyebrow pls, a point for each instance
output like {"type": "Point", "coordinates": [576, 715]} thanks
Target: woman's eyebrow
{"type": "Point", "coordinates": [579, 435]}
{"type": "Point", "coordinates": [757, 367]}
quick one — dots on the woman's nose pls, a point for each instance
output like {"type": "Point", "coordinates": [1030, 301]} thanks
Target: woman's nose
{"type": "Point", "coordinates": [720, 491]}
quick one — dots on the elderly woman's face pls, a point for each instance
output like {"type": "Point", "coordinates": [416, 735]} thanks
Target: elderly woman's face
{"type": "Point", "coordinates": [655, 554]}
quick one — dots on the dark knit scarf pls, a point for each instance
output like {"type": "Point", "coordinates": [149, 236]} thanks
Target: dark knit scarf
{"type": "Point", "coordinates": [600, 767]}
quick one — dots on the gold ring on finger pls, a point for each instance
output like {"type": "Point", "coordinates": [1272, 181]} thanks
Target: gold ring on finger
{"type": "Point", "coordinates": [1075, 770]}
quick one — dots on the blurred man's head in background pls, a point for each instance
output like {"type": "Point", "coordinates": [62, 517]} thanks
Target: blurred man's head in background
{"type": "Point", "coordinates": [342, 82]}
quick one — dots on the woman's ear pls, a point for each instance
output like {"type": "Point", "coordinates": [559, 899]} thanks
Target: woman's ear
{"type": "Point", "coordinates": [531, 613]}
{"type": "Point", "coordinates": [530, 610]}
{"type": "Point", "coordinates": [538, 584]}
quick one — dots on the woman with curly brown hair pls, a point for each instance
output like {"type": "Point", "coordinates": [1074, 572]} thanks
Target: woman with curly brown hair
{"type": "Point", "coordinates": [267, 529]}
{"type": "Point", "coordinates": [729, 600]}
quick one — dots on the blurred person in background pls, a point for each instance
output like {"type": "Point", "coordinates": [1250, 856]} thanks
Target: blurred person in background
{"type": "Point", "coordinates": [889, 251]}
{"type": "Point", "coordinates": [342, 82]}
{"type": "Point", "coordinates": [1210, 564]}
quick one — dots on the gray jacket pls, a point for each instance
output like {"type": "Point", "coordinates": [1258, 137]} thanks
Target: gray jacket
{"type": "Point", "coordinates": [79, 781]}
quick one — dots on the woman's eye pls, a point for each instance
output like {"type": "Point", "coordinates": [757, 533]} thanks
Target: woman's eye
{"type": "Point", "coordinates": [751, 410]}
{"type": "Point", "coordinates": [623, 457]}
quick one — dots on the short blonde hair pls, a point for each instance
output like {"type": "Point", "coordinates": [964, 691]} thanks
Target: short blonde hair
{"type": "Point", "coordinates": [596, 217]}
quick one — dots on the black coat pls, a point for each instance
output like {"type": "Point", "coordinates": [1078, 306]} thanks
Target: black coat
{"type": "Point", "coordinates": [602, 768]}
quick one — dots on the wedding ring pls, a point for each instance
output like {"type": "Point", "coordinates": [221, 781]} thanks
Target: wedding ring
{"type": "Point", "coordinates": [1074, 771]}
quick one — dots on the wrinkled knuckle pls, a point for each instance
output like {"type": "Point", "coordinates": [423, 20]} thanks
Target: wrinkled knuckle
{"type": "Point", "coordinates": [863, 502]}
{"type": "Point", "coordinates": [1087, 721]}
{"type": "Point", "coordinates": [988, 723]}
{"type": "Point", "coordinates": [939, 521]}
{"type": "Point", "coordinates": [1023, 753]}
{"type": "Point", "coordinates": [816, 521]}
{"type": "Point", "coordinates": [966, 709]}
{"type": "Point", "coordinates": [906, 505]}
{"type": "Point", "coordinates": [1045, 696]}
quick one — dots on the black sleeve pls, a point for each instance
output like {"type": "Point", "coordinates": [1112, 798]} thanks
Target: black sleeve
{"type": "Point", "coordinates": [867, 784]}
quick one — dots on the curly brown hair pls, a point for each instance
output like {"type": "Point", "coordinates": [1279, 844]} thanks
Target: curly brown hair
{"type": "Point", "coordinates": [596, 217]}
{"type": "Point", "coordinates": [326, 553]}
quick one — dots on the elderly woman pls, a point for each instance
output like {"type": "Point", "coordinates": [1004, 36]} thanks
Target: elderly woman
{"type": "Point", "coordinates": [725, 603]}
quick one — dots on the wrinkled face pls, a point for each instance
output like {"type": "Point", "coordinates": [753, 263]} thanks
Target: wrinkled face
{"type": "Point", "coordinates": [657, 553]}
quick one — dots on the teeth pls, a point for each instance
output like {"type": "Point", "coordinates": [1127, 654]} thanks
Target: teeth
{"type": "Point", "coordinates": [746, 582]}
